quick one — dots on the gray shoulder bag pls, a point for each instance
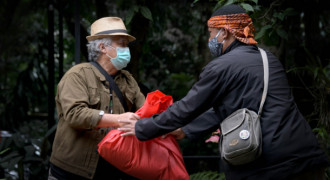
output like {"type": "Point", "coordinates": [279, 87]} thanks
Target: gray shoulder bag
{"type": "Point", "coordinates": [241, 139]}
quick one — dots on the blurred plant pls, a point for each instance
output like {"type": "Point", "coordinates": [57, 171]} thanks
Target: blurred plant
{"type": "Point", "coordinates": [25, 154]}
{"type": "Point", "coordinates": [319, 90]}
{"type": "Point", "coordinates": [145, 11]}
{"type": "Point", "coordinates": [324, 137]}
{"type": "Point", "coordinates": [178, 84]}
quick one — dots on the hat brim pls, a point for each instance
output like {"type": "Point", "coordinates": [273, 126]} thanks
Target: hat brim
{"type": "Point", "coordinates": [92, 38]}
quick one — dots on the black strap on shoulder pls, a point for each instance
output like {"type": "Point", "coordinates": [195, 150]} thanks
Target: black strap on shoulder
{"type": "Point", "coordinates": [112, 84]}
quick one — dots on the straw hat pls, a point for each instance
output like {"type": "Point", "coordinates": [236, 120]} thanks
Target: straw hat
{"type": "Point", "coordinates": [108, 26]}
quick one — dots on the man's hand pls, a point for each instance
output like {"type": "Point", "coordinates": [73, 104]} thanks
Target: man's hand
{"type": "Point", "coordinates": [128, 126]}
{"type": "Point", "coordinates": [178, 134]}
{"type": "Point", "coordinates": [125, 118]}
{"type": "Point", "coordinates": [114, 120]}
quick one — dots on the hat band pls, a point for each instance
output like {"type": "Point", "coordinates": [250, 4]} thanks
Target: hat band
{"type": "Point", "coordinates": [112, 31]}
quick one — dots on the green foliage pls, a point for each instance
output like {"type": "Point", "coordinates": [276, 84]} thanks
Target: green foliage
{"type": "Point", "coordinates": [207, 175]}
{"type": "Point", "coordinates": [173, 52]}
{"type": "Point", "coordinates": [278, 18]}
{"type": "Point", "coordinates": [178, 84]}
{"type": "Point", "coordinates": [25, 154]}
{"type": "Point", "coordinates": [262, 31]}
{"type": "Point", "coordinates": [320, 92]}
{"type": "Point", "coordinates": [248, 5]}
{"type": "Point", "coordinates": [23, 65]}
{"type": "Point", "coordinates": [145, 11]}
{"type": "Point", "coordinates": [324, 138]}
{"type": "Point", "coordinates": [270, 25]}
{"type": "Point", "coordinates": [319, 89]}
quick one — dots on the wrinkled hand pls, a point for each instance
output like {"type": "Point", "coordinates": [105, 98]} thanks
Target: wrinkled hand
{"type": "Point", "coordinates": [125, 118]}
{"type": "Point", "coordinates": [128, 127]}
{"type": "Point", "coordinates": [114, 120]}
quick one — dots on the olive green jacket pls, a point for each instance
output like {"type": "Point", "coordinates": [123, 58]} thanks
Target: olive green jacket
{"type": "Point", "coordinates": [81, 94]}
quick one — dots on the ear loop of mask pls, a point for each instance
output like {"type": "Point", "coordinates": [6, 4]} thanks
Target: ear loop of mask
{"type": "Point", "coordinates": [216, 47]}
{"type": "Point", "coordinates": [122, 59]}
{"type": "Point", "coordinates": [221, 43]}
{"type": "Point", "coordinates": [216, 36]}
{"type": "Point", "coordinates": [108, 54]}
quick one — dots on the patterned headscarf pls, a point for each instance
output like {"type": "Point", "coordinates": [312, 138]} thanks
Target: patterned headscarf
{"type": "Point", "coordinates": [240, 25]}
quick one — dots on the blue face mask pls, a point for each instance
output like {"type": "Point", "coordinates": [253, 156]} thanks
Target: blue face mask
{"type": "Point", "coordinates": [122, 59]}
{"type": "Point", "coordinates": [216, 47]}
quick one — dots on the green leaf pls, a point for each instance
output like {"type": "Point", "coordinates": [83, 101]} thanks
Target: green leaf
{"type": "Point", "coordinates": [282, 33]}
{"type": "Point", "coordinates": [247, 7]}
{"type": "Point", "coordinates": [279, 16]}
{"type": "Point", "coordinates": [146, 12]}
{"type": "Point", "coordinates": [218, 5]}
{"type": "Point", "coordinates": [255, 1]}
{"type": "Point", "coordinates": [129, 15]}
{"type": "Point", "coordinates": [10, 156]}
{"type": "Point", "coordinates": [5, 142]}
{"type": "Point", "coordinates": [135, 8]}
{"type": "Point", "coordinates": [262, 31]}
{"type": "Point", "coordinates": [290, 12]}
{"type": "Point", "coordinates": [195, 1]}
{"type": "Point", "coordinates": [316, 72]}
{"type": "Point", "coordinates": [229, 2]}
{"type": "Point", "coordinates": [4, 151]}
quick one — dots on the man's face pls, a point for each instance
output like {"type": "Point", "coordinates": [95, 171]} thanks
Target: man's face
{"type": "Point", "coordinates": [213, 32]}
{"type": "Point", "coordinates": [117, 41]}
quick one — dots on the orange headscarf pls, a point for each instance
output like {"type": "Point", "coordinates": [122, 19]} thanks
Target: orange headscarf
{"type": "Point", "coordinates": [240, 25]}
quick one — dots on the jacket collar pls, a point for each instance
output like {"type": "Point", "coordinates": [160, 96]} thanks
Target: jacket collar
{"type": "Point", "coordinates": [234, 45]}
{"type": "Point", "coordinates": [100, 75]}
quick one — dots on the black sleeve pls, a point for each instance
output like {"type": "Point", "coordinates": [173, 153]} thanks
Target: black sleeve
{"type": "Point", "coordinates": [203, 124]}
{"type": "Point", "coordinates": [199, 99]}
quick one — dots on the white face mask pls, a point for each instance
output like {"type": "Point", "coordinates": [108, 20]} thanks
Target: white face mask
{"type": "Point", "coordinates": [122, 59]}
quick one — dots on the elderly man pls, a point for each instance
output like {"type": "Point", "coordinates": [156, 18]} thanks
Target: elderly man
{"type": "Point", "coordinates": [88, 107]}
{"type": "Point", "coordinates": [234, 80]}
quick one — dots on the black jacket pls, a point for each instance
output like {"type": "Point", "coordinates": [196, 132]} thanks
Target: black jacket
{"type": "Point", "coordinates": [233, 81]}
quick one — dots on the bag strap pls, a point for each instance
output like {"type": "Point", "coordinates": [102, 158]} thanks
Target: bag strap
{"type": "Point", "coordinates": [266, 79]}
{"type": "Point", "coordinates": [112, 84]}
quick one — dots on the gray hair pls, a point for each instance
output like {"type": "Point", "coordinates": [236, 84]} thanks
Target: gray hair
{"type": "Point", "coordinates": [94, 50]}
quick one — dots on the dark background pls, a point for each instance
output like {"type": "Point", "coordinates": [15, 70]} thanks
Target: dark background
{"type": "Point", "coordinates": [40, 40]}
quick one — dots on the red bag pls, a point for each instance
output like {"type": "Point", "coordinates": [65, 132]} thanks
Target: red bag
{"type": "Point", "coordinates": [158, 158]}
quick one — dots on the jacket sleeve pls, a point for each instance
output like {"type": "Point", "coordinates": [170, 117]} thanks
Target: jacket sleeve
{"type": "Point", "coordinates": [75, 102]}
{"type": "Point", "coordinates": [139, 101]}
{"type": "Point", "coordinates": [199, 99]}
{"type": "Point", "coordinates": [203, 124]}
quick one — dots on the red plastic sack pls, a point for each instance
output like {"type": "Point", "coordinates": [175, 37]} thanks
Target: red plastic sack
{"type": "Point", "coordinates": [159, 158]}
